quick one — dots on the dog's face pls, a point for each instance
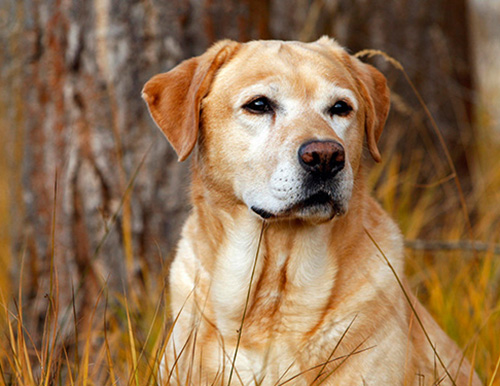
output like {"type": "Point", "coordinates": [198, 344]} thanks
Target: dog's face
{"type": "Point", "coordinates": [282, 124]}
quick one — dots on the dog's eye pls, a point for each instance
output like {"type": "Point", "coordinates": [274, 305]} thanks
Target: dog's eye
{"type": "Point", "coordinates": [340, 108]}
{"type": "Point", "coordinates": [260, 105]}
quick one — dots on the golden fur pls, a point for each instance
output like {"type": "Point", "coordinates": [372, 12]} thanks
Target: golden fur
{"type": "Point", "coordinates": [323, 304]}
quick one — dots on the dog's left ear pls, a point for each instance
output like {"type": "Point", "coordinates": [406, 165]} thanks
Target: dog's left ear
{"type": "Point", "coordinates": [377, 98]}
{"type": "Point", "coordinates": [174, 97]}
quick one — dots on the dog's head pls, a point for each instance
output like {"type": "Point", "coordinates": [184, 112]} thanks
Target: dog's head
{"type": "Point", "coordinates": [279, 125]}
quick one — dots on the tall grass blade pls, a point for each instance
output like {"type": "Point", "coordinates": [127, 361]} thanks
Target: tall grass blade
{"type": "Point", "coordinates": [106, 345]}
{"type": "Point", "coordinates": [240, 331]}
{"type": "Point", "coordinates": [88, 338]}
{"type": "Point", "coordinates": [21, 348]}
{"type": "Point", "coordinates": [150, 330]}
{"type": "Point", "coordinates": [75, 324]}
{"type": "Point", "coordinates": [51, 315]}
{"type": "Point", "coordinates": [334, 349]}
{"type": "Point", "coordinates": [342, 357]}
{"type": "Point", "coordinates": [497, 366]}
{"type": "Point", "coordinates": [132, 343]}
{"type": "Point", "coordinates": [472, 363]}
{"type": "Point", "coordinates": [68, 365]}
{"type": "Point", "coordinates": [343, 361]}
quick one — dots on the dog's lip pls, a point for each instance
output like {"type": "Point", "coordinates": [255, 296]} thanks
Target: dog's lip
{"type": "Point", "coordinates": [263, 213]}
{"type": "Point", "coordinates": [320, 198]}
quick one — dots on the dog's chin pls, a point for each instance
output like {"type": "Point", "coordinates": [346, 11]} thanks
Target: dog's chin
{"type": "Point", "coordinates": [317, 208]}
{"type": "Point", "coordinates": [317, 214]}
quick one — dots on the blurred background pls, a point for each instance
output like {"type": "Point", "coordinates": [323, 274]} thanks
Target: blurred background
{"type": "Point", "coordinates": [92, 197]}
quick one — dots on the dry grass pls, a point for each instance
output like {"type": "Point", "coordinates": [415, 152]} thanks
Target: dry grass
{"type": "Point", "coordinates": [460, 288]}
{"type": "Point", "coordinates": [123, 345]}
{"type": "Point", "coordinates": [123, 340]}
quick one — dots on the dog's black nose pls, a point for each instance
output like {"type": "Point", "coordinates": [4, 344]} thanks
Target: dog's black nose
{"type": "Point", "coordinates": [325, 158]}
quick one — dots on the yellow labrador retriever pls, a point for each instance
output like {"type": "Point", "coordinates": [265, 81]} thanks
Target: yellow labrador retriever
{"type": "Point", "coordinates": [281, 274]}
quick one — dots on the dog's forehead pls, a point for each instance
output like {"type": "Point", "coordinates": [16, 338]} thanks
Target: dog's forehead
{"type": "Point", "coordinates": [295, 61]}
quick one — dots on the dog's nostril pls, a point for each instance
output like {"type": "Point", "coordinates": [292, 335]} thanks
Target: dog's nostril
{"type": "Point", "coordinates": [311, 158]}
{"type": "Point", "coordinates": [322, 157]}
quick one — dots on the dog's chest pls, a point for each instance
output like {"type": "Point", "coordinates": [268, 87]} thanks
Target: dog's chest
{"type": "Point", "coordinates": [280, 286]}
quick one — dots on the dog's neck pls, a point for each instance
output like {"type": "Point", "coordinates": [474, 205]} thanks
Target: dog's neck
{"type": "Point", "coordinates": [220, 216]}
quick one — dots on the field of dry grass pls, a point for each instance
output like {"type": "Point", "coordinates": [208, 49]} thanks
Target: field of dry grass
{"type": "Point", "coordinates": [123, 341]}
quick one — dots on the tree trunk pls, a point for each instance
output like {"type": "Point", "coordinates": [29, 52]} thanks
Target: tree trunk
{"type": "Point", "coordinates": [72, 72]}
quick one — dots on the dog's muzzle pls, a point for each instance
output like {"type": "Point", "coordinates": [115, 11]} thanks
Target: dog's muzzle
{"type": "Point", "coordinates": [322, 192]}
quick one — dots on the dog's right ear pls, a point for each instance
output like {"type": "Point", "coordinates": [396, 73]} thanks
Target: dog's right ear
{"type": "Point", "coordinates": [174, 97]}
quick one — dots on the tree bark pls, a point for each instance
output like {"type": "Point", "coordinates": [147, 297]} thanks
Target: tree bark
{"type": "Point", "coordinates": [72, 72]}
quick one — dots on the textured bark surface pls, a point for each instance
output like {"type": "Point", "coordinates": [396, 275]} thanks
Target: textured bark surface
{"type": "Point", "coordinates": [72, 72]}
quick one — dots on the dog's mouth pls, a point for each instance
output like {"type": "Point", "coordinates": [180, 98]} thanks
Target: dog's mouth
{"type": "Point", "coordinates": [318, 204]}
{"type": "Point", "coordinates": [317, 199]}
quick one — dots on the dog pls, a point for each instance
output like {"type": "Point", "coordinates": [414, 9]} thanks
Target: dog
{"type": "Point", "coordinates": [287, 271]}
